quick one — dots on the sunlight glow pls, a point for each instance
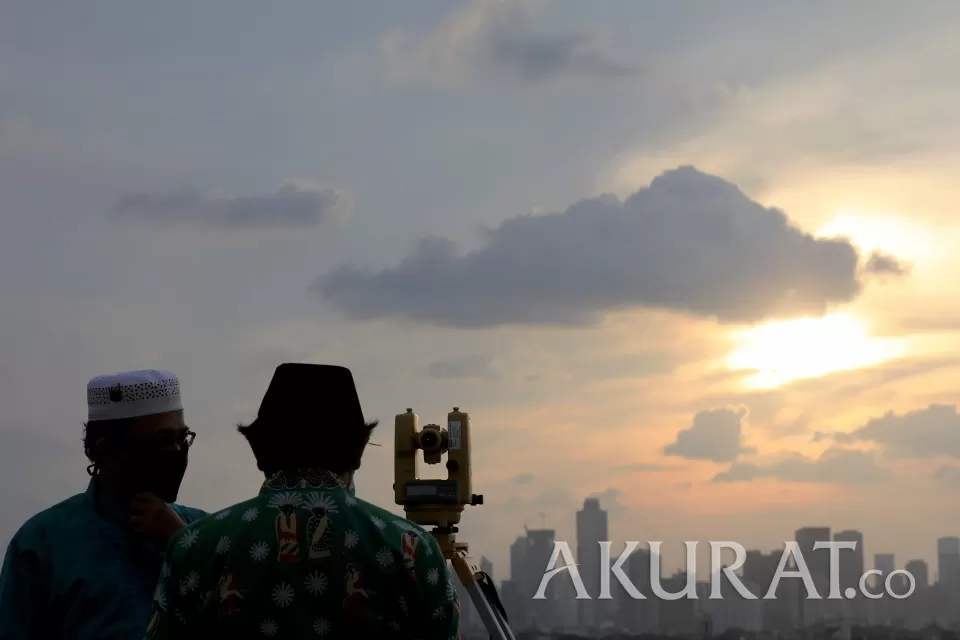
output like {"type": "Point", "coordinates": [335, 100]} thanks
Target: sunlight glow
{"type": "Point", "coordinates": [883, 232]}
{"type": "Point", "coordinates": [781, 352]}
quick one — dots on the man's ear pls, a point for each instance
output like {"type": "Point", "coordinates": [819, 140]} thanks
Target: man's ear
{"type": "Point", "coordinates": [104, 453]}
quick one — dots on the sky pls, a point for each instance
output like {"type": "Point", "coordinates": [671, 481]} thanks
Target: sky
{"type": "Point", "coordinates": [693, 258]}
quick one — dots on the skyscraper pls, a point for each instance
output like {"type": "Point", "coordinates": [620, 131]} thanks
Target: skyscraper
{"type": "Point", "coordinates": [592, 527]}
{"type": "Point", "coordinates": [818, 563]}
{"type": "Point", "coordinates": [881, 608]}
{"type": "Point", "coordinates": [885, 563]}
{"type": "Point", "coordinates": [518, 592]}
{"type": "Point", "coordinates": [758, 571]}
{"type": "Point", "coordinates": [948, 561]}
{"type": "Point", "coordinates": [852, 567]}
{"type": "Point", "coordinates": [920, 572]}
{"type": "Point", "coordinates": [638, 616]}
{"type": "Point", "coordinates": [539, 549]}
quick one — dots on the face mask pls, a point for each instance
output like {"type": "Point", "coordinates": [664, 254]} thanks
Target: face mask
{"type": "Point", "coordinates": [159, 473]}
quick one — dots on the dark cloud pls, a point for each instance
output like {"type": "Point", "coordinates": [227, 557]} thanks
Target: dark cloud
{"type": "Point", "coordinates": [539, 57]}
{"type": "Point", "coordinates": [835, 465]}
{"type": "Point", "coordinates": [472, 366]}
{"type": "Point", "coordinates": [632, 468]}
{"type": "Point", "coordinates": [885, 265]}
{"type": "Point", "coordinates": [523, 478]}
{"type": "Point", "coordinates": [292, 205]}
{"type": "Point", "coordinates": [689, 242]}
{"type": "Point", "coordinates": [933, 432]}
{"type": "Point", "coordinates": [948, 475]}
{"type": "Point", "coordinates": [715, 435]}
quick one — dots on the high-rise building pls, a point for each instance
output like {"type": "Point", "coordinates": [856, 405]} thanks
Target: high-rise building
{"type": "Point", "coordinates": [885, 563]}
{"type": "Point", "coordinates": [592, 528]}
{"type": "Point", "coordinates": [881, 608]}
{"type": "Point", "coordinates": [758, 571]}
{"type": "Point", "coordinates": [918, 607]}
{"type": "Point", "coordinates": [852, 567]}
{"type": "Point", "coordinates": [512, 598]}
{"type": "Point", "coordinates": [487, 567]}
{"type": "Point", "coordinates": [519, 609]}
{"type": "Point", "coordinates": [637, 615]}
{"type": "Point", "coordinates": [543, 613]}
{"type": "Point", "coordinates": [948, 560]}
{"type": "Point", "coordinates": [948, 579]}
{"type": "Point", "coordinates": [677, 617]}
{"type": "Point", "coordinates": [818, 564]}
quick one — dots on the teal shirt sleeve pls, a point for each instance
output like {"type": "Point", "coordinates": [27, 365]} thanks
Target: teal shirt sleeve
{"type": "Point", "coordinates": [23, 593]}
{"type": "Point", "coordinates": [189, 514]}
{"type": "Point", "coordinates": [439, 606]}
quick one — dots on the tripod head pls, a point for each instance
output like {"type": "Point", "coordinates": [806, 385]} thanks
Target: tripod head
{"type": "Point", "coordinates": [437, 503]}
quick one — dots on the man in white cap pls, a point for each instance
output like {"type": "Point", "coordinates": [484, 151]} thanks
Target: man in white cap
{"type": "Point", "coordinates": [85, 568]}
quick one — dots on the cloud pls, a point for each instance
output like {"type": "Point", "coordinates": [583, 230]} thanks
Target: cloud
{"type": "Point", "coordinates": [294, 204]}
{"type": "Point", "coordinates": [933, 432]}
{"type": "Point", "coordinates": [715, 435]}
{"type": "Point", "coordinates": [886, 265]}
{"type": "Point", "coordinates": [494, 36]}
{"type": "Point", "coordinates": [539, 57]}
{"type": "Point", "coordinates": [948, 475]}
{"type": "Point", "coordinates": [610, 500]}
{"type": "Point", "coordinates": [689, 242]}
{"type": "Point", "coordinates": [646, 466]}
{"type": "Point", "coordinates": [472, 366]}
{"type": "Point", "coordinates": [835, 465]}
{"type": "Point", "coordinates": [523, 478]}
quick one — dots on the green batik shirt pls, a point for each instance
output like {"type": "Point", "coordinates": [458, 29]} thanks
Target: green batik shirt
{"type": "Point", "coordinates": [304, 559]}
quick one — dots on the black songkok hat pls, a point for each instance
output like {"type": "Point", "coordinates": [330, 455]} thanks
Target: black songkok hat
{"type": "Point", "coordinates": [312, 394]}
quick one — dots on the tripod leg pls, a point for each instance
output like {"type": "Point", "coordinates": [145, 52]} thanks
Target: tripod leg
{"type": "Point", "coordinates": [496, 626]}
{"type": "Point", "coordinates": [493, 618]}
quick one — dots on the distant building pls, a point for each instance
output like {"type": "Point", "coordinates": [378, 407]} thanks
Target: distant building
{"type": "Point", "coordinates": [948, 560]}
{"type": "Point", "coordinates": [636, 615]}
{"type": "Point", "coordinates": [519, 587]}
{"type": "Point", "coordinates": [948, 579]}
{"type": "Point", "coordinates": [592, 528]}
{"type": "Point", "coordinates": [758, 571]}
{"type": "Point", "coordinates": [919, 606]}
{"type": "Point", "coordinates": [818, 563]}
{"type": "Point", "coordinates": [543, 613]}
{"type": "Point", "coordinates": [852, 567]}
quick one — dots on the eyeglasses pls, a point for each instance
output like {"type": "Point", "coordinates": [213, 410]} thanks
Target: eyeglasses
{"type": "Point", "coordinates": [182, 440]}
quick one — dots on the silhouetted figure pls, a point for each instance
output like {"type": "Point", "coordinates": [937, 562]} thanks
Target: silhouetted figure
{"type": "Point", "coordinates": [305, 558]}
{"type": "Point", "coordinates": [86, 568]}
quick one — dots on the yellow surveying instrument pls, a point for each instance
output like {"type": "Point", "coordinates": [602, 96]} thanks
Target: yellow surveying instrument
{"type": "Point", "coordinates": [439, 503]}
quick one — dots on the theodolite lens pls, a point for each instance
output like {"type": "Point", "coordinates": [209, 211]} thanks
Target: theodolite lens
{"type": "Point", "coordinates": [430, 439]}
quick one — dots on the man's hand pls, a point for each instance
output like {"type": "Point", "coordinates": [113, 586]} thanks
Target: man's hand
{"type": "Point", "coordinates": [154, 518]}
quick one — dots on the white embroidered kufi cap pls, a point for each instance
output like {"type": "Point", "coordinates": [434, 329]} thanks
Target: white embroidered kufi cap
{"type": "Point", "coordinates": [132, 394]}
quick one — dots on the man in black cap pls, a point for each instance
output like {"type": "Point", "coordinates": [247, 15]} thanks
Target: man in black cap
{"type": "Point", "coordinates": [305, 558]}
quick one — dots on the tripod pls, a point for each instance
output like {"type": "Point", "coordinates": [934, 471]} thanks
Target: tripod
{"type": "Point", "coordinates": [478, 584]}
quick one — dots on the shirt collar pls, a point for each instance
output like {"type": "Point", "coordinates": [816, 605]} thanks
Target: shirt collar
{"type": "Point", "coordinates": [105, 503]}
{"type": "Point", "coordinates": [307, 478]}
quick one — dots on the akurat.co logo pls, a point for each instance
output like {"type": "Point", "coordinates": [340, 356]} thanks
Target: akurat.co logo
{"type": "Point", "coordinates": [799, 570]}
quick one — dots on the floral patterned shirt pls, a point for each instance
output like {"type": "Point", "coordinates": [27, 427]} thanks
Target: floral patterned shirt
{"type": "Point", "coordinates": [304, 559]}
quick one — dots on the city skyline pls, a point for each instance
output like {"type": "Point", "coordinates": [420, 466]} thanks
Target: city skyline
{"type": "Point", "coordinates": [554, 606]}
{"type": "Point", "coordinates": [673, 551]}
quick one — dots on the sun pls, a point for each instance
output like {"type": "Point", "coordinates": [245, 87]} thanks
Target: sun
{"type": "Point", "coordinates": [781, 352]}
